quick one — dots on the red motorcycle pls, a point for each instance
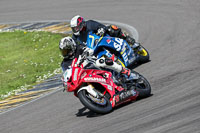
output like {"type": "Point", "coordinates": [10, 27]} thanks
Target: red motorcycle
{"type": "Point", "coordinates": [99, 91]}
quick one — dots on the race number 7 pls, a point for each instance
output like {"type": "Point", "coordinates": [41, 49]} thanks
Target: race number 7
{"type": "Point", "coordinates": [92, 42]}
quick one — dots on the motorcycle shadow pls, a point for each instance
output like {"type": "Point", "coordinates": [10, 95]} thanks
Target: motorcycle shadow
{"type": "Point", "coordinates": [89, 114]}
{"type": "Point", "coordinates": [85, 112]}
{"type": "Point", "coordinates": [133, 66]}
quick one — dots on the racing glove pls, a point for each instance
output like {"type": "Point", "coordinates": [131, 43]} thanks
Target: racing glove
{"type": "Point", "coordinates": [130, 40]}
{"type": "Point", "coordinates": [87, 51]}
{"type": "Point", "coordinates": [101, 31]}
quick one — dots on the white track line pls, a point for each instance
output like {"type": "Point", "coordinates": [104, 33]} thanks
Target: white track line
{"type": "Point", "coordinates": [47, 94]}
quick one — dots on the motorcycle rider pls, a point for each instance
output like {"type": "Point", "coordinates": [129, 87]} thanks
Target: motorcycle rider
{"type": "Point", "coordinates": [80, 29]}
{"type": "Point", "coordinates": [71, 50]}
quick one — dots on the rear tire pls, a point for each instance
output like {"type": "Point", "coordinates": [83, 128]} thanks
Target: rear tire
{"type": "Point", "coordinates": [142, 86]}
{"type": "Point", "coordinates": [89, 103]}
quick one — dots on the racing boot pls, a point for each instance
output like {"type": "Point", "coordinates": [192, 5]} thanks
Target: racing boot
{"type": "Point", "coordinates": [126, 72]}
{"type": "Point", "coordinates": [130, 40]}
{"type": "Point", "coordinates": [129, 74]}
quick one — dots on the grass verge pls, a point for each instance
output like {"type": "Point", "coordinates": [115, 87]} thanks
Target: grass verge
{"type": "Point", "coordinates": [26, 57]}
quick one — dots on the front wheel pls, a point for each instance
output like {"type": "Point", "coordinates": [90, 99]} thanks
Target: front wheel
{"type": "Point", "coordinates": [99, 105]}
{"type": "Point", "coordinates": [143, 55]}
{"type": "Point", "coordinates": [142, 86]}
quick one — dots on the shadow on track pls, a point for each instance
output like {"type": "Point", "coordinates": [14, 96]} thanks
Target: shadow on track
{"type": "Point", "coordinates": [85, 112]}
{"type": "Point", "coordinates": [89, 114]}
{"type": "Point", "coordinates": [138, 64]}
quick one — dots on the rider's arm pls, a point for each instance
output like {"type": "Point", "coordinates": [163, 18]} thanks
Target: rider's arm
{"type": "Point", "coordinates": [75, 38]}
{"type": "Point", "coordinates": [94, 25]}
{"type": "Point", "coordinates": [66, 64]}
{"type": "Point", "coordinates": [115, 31]}
{"type": "Point", "coordinates": [84, 50]}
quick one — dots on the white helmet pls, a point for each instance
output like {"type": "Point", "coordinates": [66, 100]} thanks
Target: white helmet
{"type": "Point", "coordinates": [67, 47]}
{"type": "Point", "coordinates": [77, 23]}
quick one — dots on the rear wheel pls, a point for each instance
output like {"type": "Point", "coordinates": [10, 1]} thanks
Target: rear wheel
{"type": "Point", "coordinates": [142, 86]}
{"type": "Point", "coordinates": [100, 105]}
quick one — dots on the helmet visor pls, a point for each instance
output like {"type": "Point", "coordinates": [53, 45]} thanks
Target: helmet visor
{"type": "Point", "coordinates": [77, 29]}
{"type": "Point", "coordinates": [67, 53]}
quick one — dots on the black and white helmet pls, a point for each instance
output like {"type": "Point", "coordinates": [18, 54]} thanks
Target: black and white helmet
{"type": "Point", "coordinates": [67, 47]}
{"type": "Point", "coordinates": [77, 23]}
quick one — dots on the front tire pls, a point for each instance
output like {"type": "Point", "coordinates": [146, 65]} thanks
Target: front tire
{"type": "Point", "coordinates": [101, 105]}
{"type": "Point", "coordinates": [143, 55]}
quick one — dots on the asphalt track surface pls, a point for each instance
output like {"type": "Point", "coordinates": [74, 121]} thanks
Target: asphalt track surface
{"type": "Point", "coordinates": [170, 30]}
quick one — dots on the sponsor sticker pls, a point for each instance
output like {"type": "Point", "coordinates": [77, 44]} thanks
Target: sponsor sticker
{"type": "Point", "coordinates": [109, 87]}
{"type": "Point", "coordinates": [108, 41]}
{"type": "Point", "coordinates": [125, 57]}
{"type": "Point", "coordinates": [95, 79]}
{"type": "Point", "coordinates": [132, 59]}
{"type": "Point", "coordinates": [83, 75]}
{"type": "Point", "coordinates": [116, 98]}
{"type": "Point", "coordinates": [75, 74]}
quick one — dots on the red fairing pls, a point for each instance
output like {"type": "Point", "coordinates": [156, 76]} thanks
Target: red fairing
{"type": "Point", "coordinates": [81, 76]}
{"type": "Point", "coordinates": [103, 78]}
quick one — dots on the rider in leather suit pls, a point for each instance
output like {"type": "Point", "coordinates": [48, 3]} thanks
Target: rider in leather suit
{"type": "Point", "coordinates": [80, 29]}
{"type": "Point", "coordinates": [71, 50]}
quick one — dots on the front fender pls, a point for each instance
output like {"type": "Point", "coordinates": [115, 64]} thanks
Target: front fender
{"type": "Point", "coordinates": [89, 89]}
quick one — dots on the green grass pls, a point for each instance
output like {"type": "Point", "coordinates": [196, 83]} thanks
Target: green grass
{"type": "Point", "coordinates": [26, 56]}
